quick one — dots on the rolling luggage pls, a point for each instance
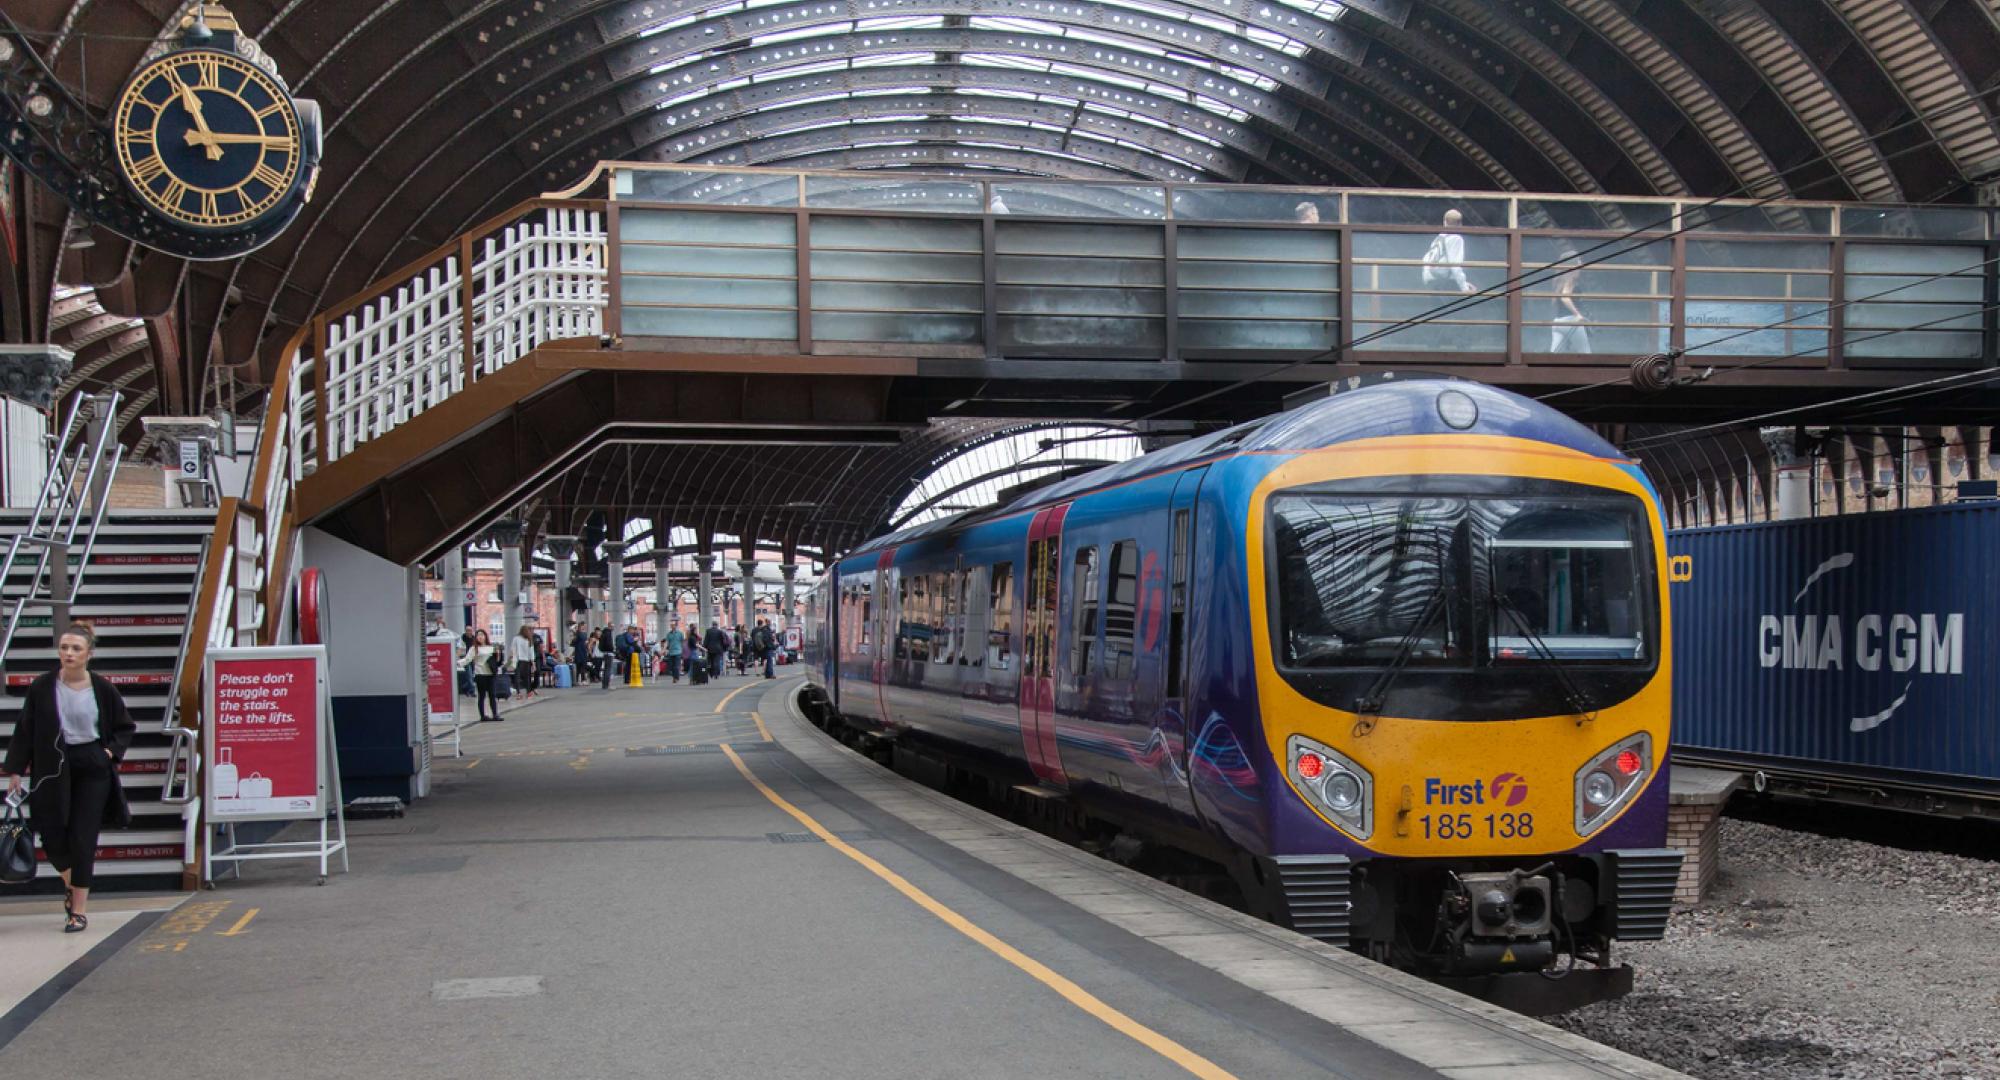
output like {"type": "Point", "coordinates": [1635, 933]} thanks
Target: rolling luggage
{"type": "Point", "coordinates": [563, 677]}
{"type": "Point", "coordinates": [698, 675]}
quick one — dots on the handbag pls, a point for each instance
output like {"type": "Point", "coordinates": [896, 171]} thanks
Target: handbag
{"type": "Point", "coordinates": [17, 848]}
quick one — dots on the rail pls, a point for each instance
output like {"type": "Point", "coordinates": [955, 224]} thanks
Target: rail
{"type": "Point", "coordinates": [76, 478]}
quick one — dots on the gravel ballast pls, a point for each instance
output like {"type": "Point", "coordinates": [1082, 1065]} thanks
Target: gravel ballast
{"type": "Point", "coordinates": [1819, 957]}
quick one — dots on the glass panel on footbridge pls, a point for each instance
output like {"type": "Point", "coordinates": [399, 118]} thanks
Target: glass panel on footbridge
{"type": "Point", "coordinates": [694, 274]}
{"type": "Point", "coordinates": [1759, 298]}
{"type": "Point", "coordinates": [908, 280]}
{"type": "Point", "coordinates": [1255, 291]}
{"type": "Point", "coordinates": [1619, 303]}
{"type": "Point", "coordinates": [1915, 303]}
{"type": "Point", "coordinates": [1065, 289]}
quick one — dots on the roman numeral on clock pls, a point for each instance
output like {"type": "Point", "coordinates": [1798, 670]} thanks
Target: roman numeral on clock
{"type": "Point", "coordinates": [269, 177]}
{"type": "Point", "coordinates": [148, 169]}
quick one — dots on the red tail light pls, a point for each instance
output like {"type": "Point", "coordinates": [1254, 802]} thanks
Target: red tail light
{"type": "Point", "coordinates": [1311, 765]}
{"type": "Point", "coordinates": [1628, 762]}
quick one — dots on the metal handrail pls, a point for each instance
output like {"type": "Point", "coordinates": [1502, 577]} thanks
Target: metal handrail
{"type": "Point", "coordinates": [181, 749]}
{"type": "Point", "coordinates": [52, 529]}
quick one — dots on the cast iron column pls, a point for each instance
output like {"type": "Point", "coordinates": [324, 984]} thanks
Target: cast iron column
{"type": "Point", "coordinates": [614, 562]}
{"type": "Point", "coordinates": [704, 601]}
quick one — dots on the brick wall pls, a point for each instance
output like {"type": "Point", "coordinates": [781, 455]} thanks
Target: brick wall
{"type": "Point", "coordinates": [140, 486]}
{"type": "Point", "coordinates": [1695, 829]}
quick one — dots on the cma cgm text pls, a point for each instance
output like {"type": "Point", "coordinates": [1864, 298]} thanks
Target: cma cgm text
{"type": "Point", "coordinates": [1929, 644]}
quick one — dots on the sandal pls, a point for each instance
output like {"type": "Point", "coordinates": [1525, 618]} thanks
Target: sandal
{"type": "Point", "coordinates": [77, 924]}
{"type": "Point", "coordinates": [69, 900]}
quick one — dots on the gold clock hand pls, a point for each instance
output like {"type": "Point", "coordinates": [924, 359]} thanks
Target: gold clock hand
{"type": "Point", "coordinates": [224, 139]}
{"type": "Point", "coordinates": [191, 101]}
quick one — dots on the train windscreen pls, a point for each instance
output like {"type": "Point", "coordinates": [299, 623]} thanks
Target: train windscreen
{"type": "Point", "coordinates": [1445, 581]}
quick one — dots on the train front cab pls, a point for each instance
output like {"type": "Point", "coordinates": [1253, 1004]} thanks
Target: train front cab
{"type": "Point", "coordinates": [1463, 675]}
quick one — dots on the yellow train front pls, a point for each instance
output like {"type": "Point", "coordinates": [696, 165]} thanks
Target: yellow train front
{"type": "Point", "coordinates": [1455, 602]}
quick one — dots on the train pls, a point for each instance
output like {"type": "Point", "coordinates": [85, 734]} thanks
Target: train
{"type": "Point", "coordinates": [1396, 661]}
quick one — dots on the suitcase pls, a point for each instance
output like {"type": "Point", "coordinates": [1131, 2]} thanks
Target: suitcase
{"type": "Point", "coordinates": [698, 675]}
{"type": "Point", "coordinates": [563, 677]}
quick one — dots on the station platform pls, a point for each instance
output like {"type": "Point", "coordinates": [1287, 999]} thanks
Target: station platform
{"type": "Point", "coordinates": [695, 881]}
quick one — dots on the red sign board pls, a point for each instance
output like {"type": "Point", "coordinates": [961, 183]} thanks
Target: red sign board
{"type": "Point", "coordinates": [266, 752]}
{"type": "Point", "coordinates": [440, 678]}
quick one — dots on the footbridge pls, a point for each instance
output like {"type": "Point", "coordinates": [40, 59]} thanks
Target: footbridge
{"type": "Point", "coordinates": [707, 306]}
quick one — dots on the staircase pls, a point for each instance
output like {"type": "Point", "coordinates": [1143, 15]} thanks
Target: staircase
{"type": "Point", "coordinates": [138, 591]}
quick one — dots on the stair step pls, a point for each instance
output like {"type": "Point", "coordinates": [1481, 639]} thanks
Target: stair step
{"type": "Point", "coordinates": [115, 678]}
{"type": "Point", "coordinates": [120, 867]}
{"type": "Point", "coordinates": [91, 585]}
{"type": "Point", "coordinates": [135, 702]}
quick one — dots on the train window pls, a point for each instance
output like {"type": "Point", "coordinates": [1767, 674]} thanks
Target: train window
{"type": "Point", "coordinates": [1121, 606]}
{"type": "Point", "coordinates": [916, 620]}
{"type": "Point", "coordinates": [943, 636]}
{"type": "Point", "coordinates": [1000, 619]}
{"type": "Point", "coordinates": [1564, 580]}
{"type": "Point", "coordinates": [965, 631]}
{"type": "Point", "coordinates": [1177, 617]}
{"type": "Point", "coordinates": [972, 617]}
{"type": "Point", "coordinates": [1084, 603]}
{"type": "Point", "coordinates": [1368, 582]}
{"type": "Point", "coordinates": [1450, 581]}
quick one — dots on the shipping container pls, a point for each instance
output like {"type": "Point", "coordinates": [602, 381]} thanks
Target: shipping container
{"type": "Point", "coordinates": [1859, 652]}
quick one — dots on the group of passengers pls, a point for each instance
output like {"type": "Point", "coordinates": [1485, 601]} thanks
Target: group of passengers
{"type": "Point", "coordinates": [491, 673]}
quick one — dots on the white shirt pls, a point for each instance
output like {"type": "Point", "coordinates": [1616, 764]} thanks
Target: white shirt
{"type": "Point", "coordinates": [78, 710]}
{"type": "Point", "coordinates": [520, 649]}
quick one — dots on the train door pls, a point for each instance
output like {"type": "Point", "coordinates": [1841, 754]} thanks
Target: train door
{"type": "Point", "coordinates": [1038, 661]}
{"type": "Point", "coordinates": [1180, 568]}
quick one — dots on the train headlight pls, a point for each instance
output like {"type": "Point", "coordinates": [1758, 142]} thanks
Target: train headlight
{"type": "Point", "coordinates": [1456, 407]}
{"type": "Point", "coordinates": [1334, 784]}
{"type": "Point", "coordinates": [1611, 780]}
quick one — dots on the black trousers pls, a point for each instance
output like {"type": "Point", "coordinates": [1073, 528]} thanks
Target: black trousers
{"type": "Point", "coordinates": [73, 847]}
{"type": "Point", "coordinates": [484, 686]}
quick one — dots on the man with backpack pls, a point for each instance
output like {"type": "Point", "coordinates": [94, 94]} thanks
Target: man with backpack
{"type": "Point", "coordinates": [766, 646]}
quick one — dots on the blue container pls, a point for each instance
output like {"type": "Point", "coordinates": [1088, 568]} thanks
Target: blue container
{"type": "Point", "coordinates": [1862, 646]}
{"type": "Point", "coordinates": [562, 677]}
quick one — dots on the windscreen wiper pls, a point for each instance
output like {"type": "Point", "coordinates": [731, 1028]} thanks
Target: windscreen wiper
{"type": "Point", "coordinates": [1579, 705]}
{"type": "Point", "coordinates": [1370, 701]}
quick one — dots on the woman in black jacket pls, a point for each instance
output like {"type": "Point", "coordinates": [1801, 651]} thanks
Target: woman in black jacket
{"type": "Point", "coordinates": [74, 729]}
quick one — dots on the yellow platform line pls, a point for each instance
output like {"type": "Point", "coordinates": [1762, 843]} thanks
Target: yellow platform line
{"type": "Point", "coordinates": [240, 923]}
{"type": "Point", "coordinates": [724, 703]}
{"type": "Point", "coordinates": [1074, 994]}
{"type": "Point", "coordinates": [761, 729]}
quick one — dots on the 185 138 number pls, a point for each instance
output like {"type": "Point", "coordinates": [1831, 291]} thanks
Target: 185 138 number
{"type": "Point", "coordinates": [1464, 827]}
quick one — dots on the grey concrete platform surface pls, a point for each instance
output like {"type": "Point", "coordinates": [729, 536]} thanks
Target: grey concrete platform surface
{"type": "Point", "coordinates": [603, 888]}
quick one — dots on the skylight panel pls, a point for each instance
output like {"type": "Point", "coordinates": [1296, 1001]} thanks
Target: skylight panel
{"type": "Point", "coordinates": [828, 30]}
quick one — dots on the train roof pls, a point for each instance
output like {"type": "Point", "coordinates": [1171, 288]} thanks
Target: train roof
{"type": "Point", "coordinates": [1402, 407]}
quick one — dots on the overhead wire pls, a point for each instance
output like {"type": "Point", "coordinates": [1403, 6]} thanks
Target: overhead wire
{"type": "Point", "coordinates": [1648, 234]}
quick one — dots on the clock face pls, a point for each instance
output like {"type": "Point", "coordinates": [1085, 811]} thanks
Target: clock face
{"type": "Point", "coordinates": [207, 139]}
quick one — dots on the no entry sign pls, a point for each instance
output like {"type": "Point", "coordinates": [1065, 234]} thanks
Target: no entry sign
{"type": "Point", "coordinates": [267, 734]}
